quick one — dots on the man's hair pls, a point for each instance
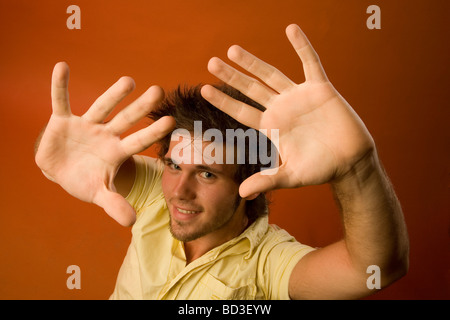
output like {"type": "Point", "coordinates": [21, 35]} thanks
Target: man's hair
{"type": "Point", "coordinates": [186, 105]}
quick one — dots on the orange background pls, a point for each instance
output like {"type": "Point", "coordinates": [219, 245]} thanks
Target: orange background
{"type": "Point", "coordinates": [396, 79]}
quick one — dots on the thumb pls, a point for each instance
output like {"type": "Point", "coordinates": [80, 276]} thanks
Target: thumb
{"type": "Point", "coordinates": [116, 207]}
{"type": "Point", "coordinates": [59, 89]}
{"type": "Point", "coordinates": [261, 182]}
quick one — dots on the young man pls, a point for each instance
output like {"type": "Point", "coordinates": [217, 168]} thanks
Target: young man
{"type": "Point", "coordinates": [193, 234]}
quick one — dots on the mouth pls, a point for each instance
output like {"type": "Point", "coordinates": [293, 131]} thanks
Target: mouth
{"type": "Point", "coordinates": [187, 211]}
{"type": "Point", "coordinates": [184, 214]}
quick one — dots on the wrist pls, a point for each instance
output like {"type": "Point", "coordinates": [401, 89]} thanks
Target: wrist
{"type": "Point", "coordinates": [362, 180]}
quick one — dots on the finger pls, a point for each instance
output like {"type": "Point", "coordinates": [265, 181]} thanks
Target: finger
{"type": "Point", "coordinates": [311, 63]}
{"type": "Point", "coordinates": [104, 104]}
{"type": "Point", "coordinates": [245, 84]}
{"type": "Point", "coordinates": [263, 181]}
{"type": "Point", "coordinates": [60, 92]}
{"type": "Point", "coordinates": [116, 207]}
{"type": "Point", "coordinates": [137, 110]}
{"type": "Point", "coordinates": [144, 138]}
{"type": "Point", "coordinates": [240, 111]}
{"type": "Point", "coordinates": [264, 71]}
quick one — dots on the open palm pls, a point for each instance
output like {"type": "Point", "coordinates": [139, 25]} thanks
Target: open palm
{"type": "Point", "coordinates": [83, 154]}
{"type": "Point", "coordinates": [320, 136]}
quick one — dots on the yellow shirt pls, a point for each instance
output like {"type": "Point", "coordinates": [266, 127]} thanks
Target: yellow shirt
{"type": "Point", "coordinates": [255, 265]}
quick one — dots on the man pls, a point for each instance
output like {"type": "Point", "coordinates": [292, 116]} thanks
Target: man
{"type": "Point", "coordinates": [193, 238]}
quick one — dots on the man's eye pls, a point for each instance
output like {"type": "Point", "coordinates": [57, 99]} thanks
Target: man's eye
{"type": "Point", "coordinates": [207, 175]}
{"type": "Point", "coordinates": [173, 166]}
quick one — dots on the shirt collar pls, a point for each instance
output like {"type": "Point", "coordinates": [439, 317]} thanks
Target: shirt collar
{"type": "Point", "coordinates": [252, 235]}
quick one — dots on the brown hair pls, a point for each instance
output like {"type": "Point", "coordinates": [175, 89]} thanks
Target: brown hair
{"type": "Point", "coordinates": [187, 105]}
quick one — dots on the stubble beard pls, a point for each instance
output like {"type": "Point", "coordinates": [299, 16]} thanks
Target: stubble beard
{"type": "Point", "coordinates": [180, 229]}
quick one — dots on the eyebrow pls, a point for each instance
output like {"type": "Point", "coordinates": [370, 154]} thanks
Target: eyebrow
{"type": "Point", "coordinates": [198, 166]}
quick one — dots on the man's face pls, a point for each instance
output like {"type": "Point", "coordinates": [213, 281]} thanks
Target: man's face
{"type": "Point", "coordinates": [203, 199]}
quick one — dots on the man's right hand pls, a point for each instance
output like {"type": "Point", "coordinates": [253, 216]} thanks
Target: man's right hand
{"type": "Point", "coordinates": [83, 154]}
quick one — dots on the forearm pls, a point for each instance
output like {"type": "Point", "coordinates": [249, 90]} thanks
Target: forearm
{"type": "Point", "coordinates": [375, 231]}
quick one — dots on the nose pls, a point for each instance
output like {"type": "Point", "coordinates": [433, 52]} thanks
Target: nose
{"type": "Point", "coordinates": [184, 188]}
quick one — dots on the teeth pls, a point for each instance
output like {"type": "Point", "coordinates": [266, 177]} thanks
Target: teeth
{"type": "Point", "coordinates": [186, 211]}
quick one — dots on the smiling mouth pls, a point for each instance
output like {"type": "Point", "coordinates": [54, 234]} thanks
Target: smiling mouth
{"type": "Point", "coordinates": [187, 211]}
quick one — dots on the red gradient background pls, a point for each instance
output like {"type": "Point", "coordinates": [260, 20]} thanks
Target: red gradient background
{"type": "Point", "coordinates": [395, 78]}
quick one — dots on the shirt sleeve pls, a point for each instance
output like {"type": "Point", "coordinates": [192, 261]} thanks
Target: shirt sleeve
{"type": "Point", "coordinates": [147, 183]}
{"type": "Point", "coordinates": [284, 255]}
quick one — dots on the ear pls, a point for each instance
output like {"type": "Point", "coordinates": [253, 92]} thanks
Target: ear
{"type": "Point", "coordinates": [252, 196]}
